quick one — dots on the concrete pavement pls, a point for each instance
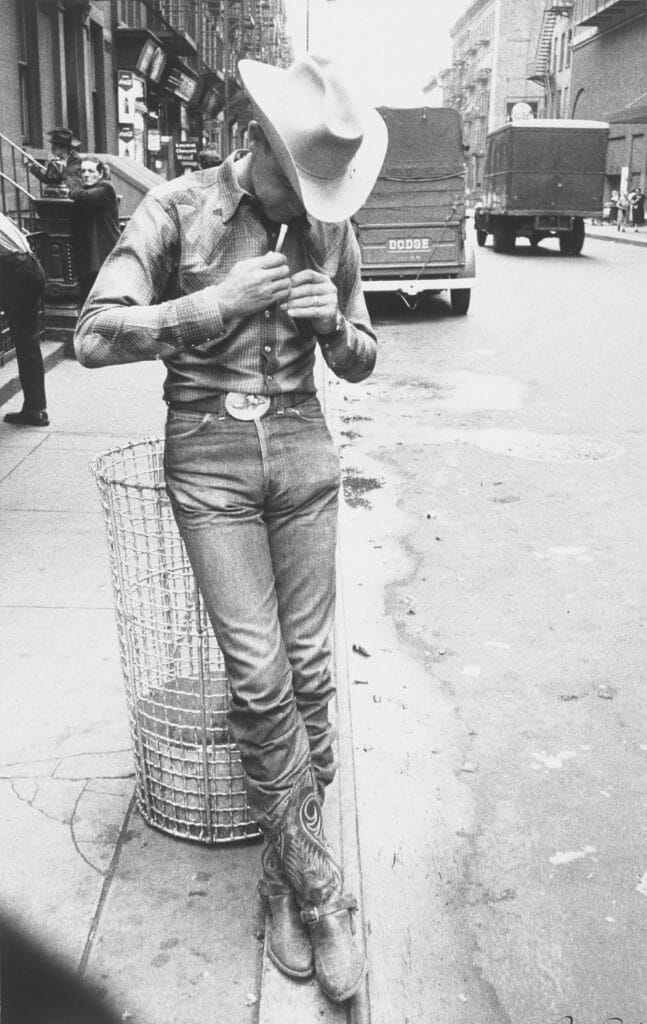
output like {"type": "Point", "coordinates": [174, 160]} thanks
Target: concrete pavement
{"type": "Point", "coordinates": [630, 236]}
{"type": "Point", "coordinates": [159, 930]}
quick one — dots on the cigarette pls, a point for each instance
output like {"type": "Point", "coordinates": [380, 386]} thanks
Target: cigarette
{"type": "Point", "coordinates": [280, 240]}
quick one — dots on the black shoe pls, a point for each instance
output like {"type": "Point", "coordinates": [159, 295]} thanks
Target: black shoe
{"type": "Point", "coordinates": [25, 418]}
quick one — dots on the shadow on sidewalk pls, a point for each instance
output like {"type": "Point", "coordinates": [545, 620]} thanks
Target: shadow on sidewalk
{"type": "Point", "coordinates": [36, 988]}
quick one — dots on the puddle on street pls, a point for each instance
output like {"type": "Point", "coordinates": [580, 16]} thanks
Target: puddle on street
{"type": "Point", "coordinates": [464, 391]}
{"type": "Point", "coordinates": [523, 444]}
{"type": "Point", "coordinates": [357, 487]}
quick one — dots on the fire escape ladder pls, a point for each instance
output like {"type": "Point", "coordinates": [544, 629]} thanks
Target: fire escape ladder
{"type": "Point", "coordinates": [542, 60]}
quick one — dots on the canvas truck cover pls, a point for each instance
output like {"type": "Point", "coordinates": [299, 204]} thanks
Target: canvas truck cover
{"type": "Point", "coordinates": [414, 217]}
{"type": "Point", "coordinates": [546, 166]}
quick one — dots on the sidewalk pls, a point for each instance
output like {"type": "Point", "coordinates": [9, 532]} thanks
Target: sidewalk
{"type": "Point", "coordinates": [167, 930]}
{"type": "Point", "coordinates": [629, 236]}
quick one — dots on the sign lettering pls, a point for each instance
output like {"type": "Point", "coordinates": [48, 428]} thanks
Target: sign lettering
{"type": "Point", "coordinates": [407, 244]}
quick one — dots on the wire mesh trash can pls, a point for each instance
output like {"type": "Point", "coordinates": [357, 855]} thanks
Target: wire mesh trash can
{"type": "Point", "coordinates": [189, 774]}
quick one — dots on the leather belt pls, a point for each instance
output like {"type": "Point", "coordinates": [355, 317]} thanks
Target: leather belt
{"type": "Point", "coordinates": [244, 406]}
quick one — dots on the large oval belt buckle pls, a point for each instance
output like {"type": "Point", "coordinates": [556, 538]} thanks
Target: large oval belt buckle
{"type": "Point", "coordinates": [246, 407]}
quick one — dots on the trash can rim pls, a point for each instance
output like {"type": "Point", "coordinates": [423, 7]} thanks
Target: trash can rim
{"type": "Point", "coordinates": [99, 471]}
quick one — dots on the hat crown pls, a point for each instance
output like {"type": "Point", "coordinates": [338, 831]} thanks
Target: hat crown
{"type": "Point", "coordinates": [323, 126]}
{"type": "Point", "coordinates": [329, 144]}
{"type": "Point", "coordinates": [63, 136]}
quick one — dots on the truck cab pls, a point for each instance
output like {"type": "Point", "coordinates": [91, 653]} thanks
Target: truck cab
{"type": "Point", "coordinates": [411, 230]}
{"type": "Point", "coordinates": [541, 179]}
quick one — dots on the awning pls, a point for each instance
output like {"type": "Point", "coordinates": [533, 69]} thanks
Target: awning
{"type": "Point", "coordinates": [630, 115]}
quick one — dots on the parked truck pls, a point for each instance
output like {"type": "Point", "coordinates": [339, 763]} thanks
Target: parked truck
{"type": "Point", "coordinates": [411, 229]}
{"type": "Point", "coordinates": [541, 179]}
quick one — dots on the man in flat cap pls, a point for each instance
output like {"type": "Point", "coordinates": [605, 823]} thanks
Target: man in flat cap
{"type": "Point", "coordinates": [252, 472]}
{"type": "Point", "coordinates": [63, 163]}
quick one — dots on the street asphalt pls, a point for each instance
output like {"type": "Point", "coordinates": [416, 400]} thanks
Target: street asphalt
{"type": "Point", "coordinates": [105, 918]}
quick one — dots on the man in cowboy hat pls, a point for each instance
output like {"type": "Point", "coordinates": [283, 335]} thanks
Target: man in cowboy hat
{"type": "Point", "coordinates": [197, 280]}
{"type": "Point", "coordinates": [63, 163]}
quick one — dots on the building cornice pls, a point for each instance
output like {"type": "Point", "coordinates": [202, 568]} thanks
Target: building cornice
{"type": "Point", "coordinates": [468, 16]}
{"type": "Point", "coordinates": [579, 44]}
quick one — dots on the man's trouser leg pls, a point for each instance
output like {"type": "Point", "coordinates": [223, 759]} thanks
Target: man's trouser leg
{"type": "Point", "coordinates": [248, 496]}
{"type": "Point", "coordinates": [23, 293]}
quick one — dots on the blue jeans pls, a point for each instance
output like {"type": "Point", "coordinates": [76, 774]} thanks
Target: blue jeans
{"type": "Point", "coordinates": [256, 503]}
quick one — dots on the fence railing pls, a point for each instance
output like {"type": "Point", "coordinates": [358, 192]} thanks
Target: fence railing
{"type": "Point", "coordinates": [17, 185]}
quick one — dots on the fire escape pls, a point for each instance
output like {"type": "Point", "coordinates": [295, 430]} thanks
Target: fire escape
{"type": "Point", "coordinates": [539, 69]}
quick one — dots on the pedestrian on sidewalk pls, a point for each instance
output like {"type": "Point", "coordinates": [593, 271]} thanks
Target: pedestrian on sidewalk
{"type": "Point", "coordinates": [636, 208]}
{"type": "Point", "coordinates": [198, 280]}
{"type": "Point", "coordinates": [623, 211]}
{"type": "Point", "coordinates": [208, 157]}
{"type": "Point", "coordinates": [95, 219]}
{"type": "Point", "coordinates": [63, 164]}
{"type": "Point", "coordinates": [22, 286]}
{"type": "Point", "coordinates": [613, 206]}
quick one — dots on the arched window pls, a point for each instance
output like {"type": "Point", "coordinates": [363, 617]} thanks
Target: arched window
{"type": "Point", "coordinates": [580, 93]}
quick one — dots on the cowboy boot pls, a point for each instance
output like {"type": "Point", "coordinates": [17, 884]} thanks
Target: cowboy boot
{"type": "Point", "coordinates": [288, 942]}
{"type": "Point", "coordinates": [317, 880]}
{"type": "Point", "coordinates": [340, 965]}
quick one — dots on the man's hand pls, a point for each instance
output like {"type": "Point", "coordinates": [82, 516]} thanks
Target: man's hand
{"type": "Point", "coordinates": [313, 297]}
{"type": "Point", "coordinates": [254, 284]}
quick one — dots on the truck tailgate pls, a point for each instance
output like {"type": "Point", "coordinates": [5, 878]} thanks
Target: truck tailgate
{"type": "Point", "coordinates": [408, 224]}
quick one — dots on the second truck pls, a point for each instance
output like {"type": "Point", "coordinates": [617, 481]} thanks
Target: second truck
{"type": "Point", "coordinates": [541, 180]}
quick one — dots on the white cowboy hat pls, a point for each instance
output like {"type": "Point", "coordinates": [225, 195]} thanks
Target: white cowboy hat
{"type": "Point", "coordinates": [329, 145]}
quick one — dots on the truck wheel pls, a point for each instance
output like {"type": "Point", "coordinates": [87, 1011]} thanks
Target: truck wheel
{"type": "Point", "coordinates": [460, 300]}
{"type": "Point", "coordinates": [481, 236]}
{"type": "Point", "coordinates": [570, 243]}
{"type": "Point", "coordinates": [504, 238]}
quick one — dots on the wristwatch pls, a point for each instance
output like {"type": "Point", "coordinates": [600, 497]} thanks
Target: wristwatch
{"type": "Point", "coordinates": [340, 323]}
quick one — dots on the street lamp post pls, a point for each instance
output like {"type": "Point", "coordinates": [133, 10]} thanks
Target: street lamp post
{"type": "Point", "coordinates": [308, 22]}
{"type": "Point", "coordinates": [224, 142]}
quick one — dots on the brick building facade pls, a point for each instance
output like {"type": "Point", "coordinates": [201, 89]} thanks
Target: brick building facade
{"type": "Point", "coordinates": [143, 83]}
{"type": "Point", "coordinates": [133, 77]}
{"type": "Point", "coordinates": [491, 47]}
{"type": "Point", "coordinates": [610, 82]}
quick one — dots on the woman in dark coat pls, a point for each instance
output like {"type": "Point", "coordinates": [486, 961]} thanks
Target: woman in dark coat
{"type": "Point", "coordinates": [95, 220]}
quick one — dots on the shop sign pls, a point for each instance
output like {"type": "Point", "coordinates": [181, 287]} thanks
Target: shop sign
{"type": "Point", "coordinates": [153, 141]}
{"type": "Point", "coordinates": [187, 153]}
{"type": "Point", "coordinates": [181, 85]}
{"type": "Point", "coordinates": [130, 98]}
{"type": "Point", "coordinates": [157, 65]}
{"type": "Point", "coordinates": [151, 60]}
{"type": "Point", "coordinates": [126, 133]}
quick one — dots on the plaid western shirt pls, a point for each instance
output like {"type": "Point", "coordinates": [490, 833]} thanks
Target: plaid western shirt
{"type": "Point", "coordinates": [156, 296]}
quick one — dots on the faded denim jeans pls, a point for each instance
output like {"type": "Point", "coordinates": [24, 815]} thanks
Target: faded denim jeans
{"type": "Point", "coordinates": [256, 503]}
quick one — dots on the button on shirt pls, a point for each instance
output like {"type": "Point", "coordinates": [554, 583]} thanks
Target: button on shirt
{"type": "Point", "coordinates": [157, 295]}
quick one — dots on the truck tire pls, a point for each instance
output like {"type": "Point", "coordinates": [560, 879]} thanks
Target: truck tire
{"type": "Point", "coordinates": [460, 300]}
{"type": "Point", "coordinates": [504, 237]}
{"type": "Point", "coordinates": [481, 236]}
{"type": "Point", "coordinates": [571, 242]}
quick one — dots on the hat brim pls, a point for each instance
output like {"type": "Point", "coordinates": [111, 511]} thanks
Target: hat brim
{"type": "Point", "coordinates": [71, 142]}
{"type": "Point", "coordinates": [327, 199]}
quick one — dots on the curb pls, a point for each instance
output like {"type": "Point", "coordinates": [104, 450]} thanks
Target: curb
{"type": "Point", "coordinates": [620, 238]}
